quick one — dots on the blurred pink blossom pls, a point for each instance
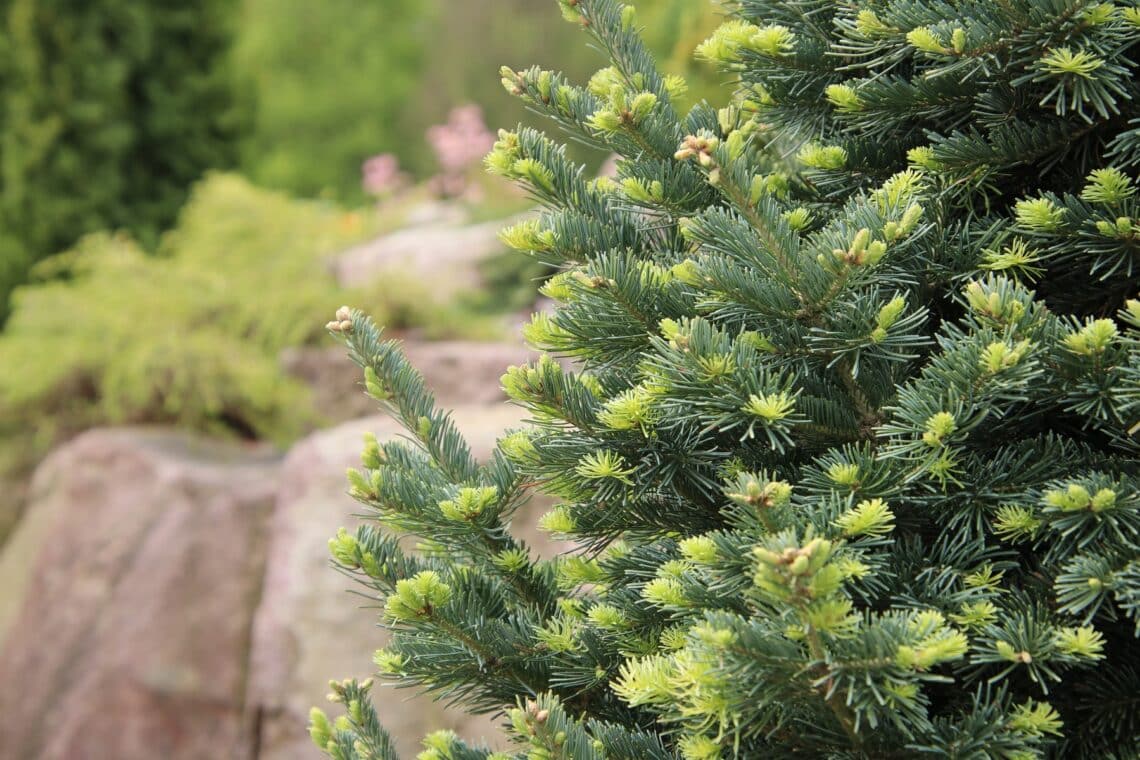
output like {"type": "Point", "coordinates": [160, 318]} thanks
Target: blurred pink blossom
{"type": "Point", "coordinates": [459, 145]}
{"type": "Point", "coordinates": [382, 175]}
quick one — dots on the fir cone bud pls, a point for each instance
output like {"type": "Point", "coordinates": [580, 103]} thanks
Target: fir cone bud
{"type": "Point", "coordinates": [343, 321]}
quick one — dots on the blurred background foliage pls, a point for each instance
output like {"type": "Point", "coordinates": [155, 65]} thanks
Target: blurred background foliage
{"type": "Point", "coordinates": [340, 80]}
{"type": "Point", "coordinates": [109, 110]}
{"type": "Point", "coordinates": [165, 292]}
{"type": "Point", "coordinates": [192, 336]}
{"type": "Point", "coordinates": [331, 82]}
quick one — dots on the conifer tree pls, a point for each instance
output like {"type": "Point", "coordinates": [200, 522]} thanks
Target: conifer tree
{"type": "Point", "coordinates": [850, 449]}
{"type": "Point", "coordinates": [110, 110]}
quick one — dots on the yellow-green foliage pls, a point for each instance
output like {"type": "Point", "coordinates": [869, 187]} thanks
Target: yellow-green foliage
{"type": "Point", "coordinates": [190, 337]}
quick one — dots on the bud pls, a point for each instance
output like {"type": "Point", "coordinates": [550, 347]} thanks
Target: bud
{"type": "Point", "coordinates": [569, 10]}
{"type": "Point", "coordinates": [320, 730]}
{"type": "Point", "coordinates": [605, 120]}
{"type": "Point", "coordinates": [844, 98]}
{"type": "Point", "coordinates": [360, 487]}
{"type": "Point", "coordinates": [910, 219]}
{"type": "Point", "coordinates": [642, 105]}
{"type": "Point", "coordinates": [371, 457]}
{"type": "Point", "coordinates": [939, 426]}
{"type": "Point", "coordinates": [958, 40]}
{"type": "Point", "coordinates": [924, 39]}
{"type": "Point", "coordinates": [543, 85]}
{"type": "Point", "coordinates": [417, 597]}
{"type": "Point", "coordinates": [373, 385]}
{"type": "Point", "coordinates": [1039, 214]}
{"type": "Point", "coordinates": [343, 548]}
{"type": "Point", "coordinates": [628, 15]}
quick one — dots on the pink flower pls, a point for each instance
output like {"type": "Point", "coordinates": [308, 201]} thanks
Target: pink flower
{"type": "Point", "coordinates": [459, 145]}
{"type": "Point", "coordinates": [381, 174]}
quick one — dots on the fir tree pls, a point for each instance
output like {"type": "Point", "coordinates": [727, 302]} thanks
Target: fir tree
{"type": "Point", "coordinates": [850, 450]}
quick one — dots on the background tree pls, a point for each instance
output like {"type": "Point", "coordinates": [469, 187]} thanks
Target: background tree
{"type": "Point", "coordinates": [850, 451]}
{"type": "Point", "coordinates": [110, 110]}
{"type": "Point", "coordinates": [333, 82]}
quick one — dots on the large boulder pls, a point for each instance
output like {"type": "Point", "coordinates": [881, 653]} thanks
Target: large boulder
{"type": "Point", "coordinates": [127, 599]}
{"type": "Point", "coordinates": [171, 596]}
{"type": "Point", "coordinates": [308, 627]}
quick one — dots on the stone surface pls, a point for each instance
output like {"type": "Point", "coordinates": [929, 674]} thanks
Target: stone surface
{"type": "Point", "coordinates": [171, 596]}
{"type": "Point", "coordinates": [308, 628]}
{"type": "Point", "coordinates": [129, 595]}
{"type": "Point", "coordinates": [437, 212]}
{"type": "Point", "coordinates": [457, 372]}
{"type": "Point", "coordinates": [445, 256]}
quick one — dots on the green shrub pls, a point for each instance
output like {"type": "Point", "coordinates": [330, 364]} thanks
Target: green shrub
{"type": "Point", "coordinates": [332, 84]}
{"type": "Point", "coordinates": [111, 109]}
{"type": "Point", "coordinates": [193, 336]}
{"type": "Point", "coordinates": [190, 337]}
{"type": "Point", "coordinates": [851, 449]}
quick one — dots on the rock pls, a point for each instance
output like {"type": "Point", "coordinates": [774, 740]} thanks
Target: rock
{"type": "Point", "coordinates": [458, 373]}
{"type": "Point", "coordinates": [129, 595]}
{"type": "Point", "coordinates": [435, 212]}
{"type": "Point", "coordinates": [445, 256]}
{"type": "Point", "coordinates": [308, 629]}
{"type": "Point", "coordinates": [335, 383]}
{"type": "Point", "coordinates": [171, 596]}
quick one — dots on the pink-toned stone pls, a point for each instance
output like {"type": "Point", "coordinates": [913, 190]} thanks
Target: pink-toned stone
{"type": "Point", "coordinates": [309, 628]}
{"type": "Point", "coordinates": [128, 598]}
{"type": "Point", "coordinates": [128, 637]}
{"type": "Point", "coordinates": [447, 257]}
